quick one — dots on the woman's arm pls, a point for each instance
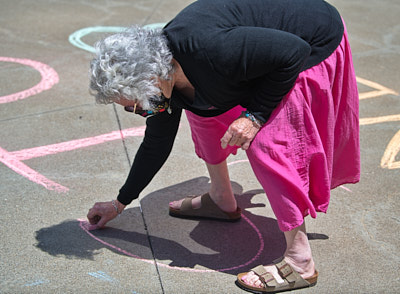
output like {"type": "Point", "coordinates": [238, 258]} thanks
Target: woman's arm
{"type": "Point", "coordinates": [157, 144]}
{"type": "Point", "coordinates": [153, 152]}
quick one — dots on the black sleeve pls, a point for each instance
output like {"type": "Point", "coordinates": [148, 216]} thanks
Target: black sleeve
{"type": "Point", "coordinates": [271, 57]}
{"type": "Point", "coordinates": [287, 56]}
{"type": "Point", "coordinates": [157, 144]}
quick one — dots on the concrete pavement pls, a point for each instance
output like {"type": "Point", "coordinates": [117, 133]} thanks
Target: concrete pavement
{"type": "Point", "coordinates": [60, 153]}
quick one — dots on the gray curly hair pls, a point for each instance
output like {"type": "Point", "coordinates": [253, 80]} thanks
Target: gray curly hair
{"type": "Point", "coordinates": [128, 65]}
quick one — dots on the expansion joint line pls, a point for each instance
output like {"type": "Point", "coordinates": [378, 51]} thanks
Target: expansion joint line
{"type": "Point", "coordinates": [140, 205]}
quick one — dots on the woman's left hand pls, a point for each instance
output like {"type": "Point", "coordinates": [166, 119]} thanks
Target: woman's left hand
{"type": "Point", "coordinates": [240, 133]}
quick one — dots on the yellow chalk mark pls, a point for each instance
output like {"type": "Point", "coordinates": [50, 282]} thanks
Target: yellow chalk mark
{"type": "Point", "coordinates": [379, 89]}
{"type": "Point", "coordinates": [379, 119]}
{"type": "Point", "coordinates": [389, 157]}
{"type": "Point", "coordinates": [393, 148]}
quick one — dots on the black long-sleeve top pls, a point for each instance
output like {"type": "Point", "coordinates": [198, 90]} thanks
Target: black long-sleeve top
{"type": "Point", "coordinates": [235, 52]}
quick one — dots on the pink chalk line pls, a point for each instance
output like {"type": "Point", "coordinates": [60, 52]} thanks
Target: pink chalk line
{"type": "Point", "coordinates": [20, 168]}
{"type": "Point", "coordinates": [85, 226]}
{"type": "Point", "coordinates": [49, 79]}
{"type": "Point", "coordinates": [26, 154]}
{"type": "Point", "coordinates": [238, 161]}
{"type": "Point", "coordinates": [13, 159]}
{"type": "Point", "coordinates": [344, 188]}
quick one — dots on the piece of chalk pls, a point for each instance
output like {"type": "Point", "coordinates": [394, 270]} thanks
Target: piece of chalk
{"type": "Point", "coordinates": [92, 227]}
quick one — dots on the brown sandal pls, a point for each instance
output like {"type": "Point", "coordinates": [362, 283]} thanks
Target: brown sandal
{"type": "Point", "coordinates": [292, 279]}
{"type": "Point", "coordinates": [208, 210]}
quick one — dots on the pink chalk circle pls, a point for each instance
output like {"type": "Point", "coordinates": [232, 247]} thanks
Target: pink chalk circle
{"type": "Point", "coordinates": [86, 227]}
{"type": "Point", "coordinates": [49, 79]}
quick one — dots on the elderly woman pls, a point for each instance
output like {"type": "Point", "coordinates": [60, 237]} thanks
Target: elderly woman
{"type": "Point", "coordinates": [274, 78]}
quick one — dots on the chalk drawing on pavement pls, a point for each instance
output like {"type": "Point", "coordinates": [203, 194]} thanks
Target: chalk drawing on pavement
{"type": "Point", "coordinates": [76, 37]}
{"type": "Point", "coordinates": [49, 79]}
{"type": "Point", "coordinates": [102, 276]}
{"type": "Point", "coordinates": [14, 159]}
{"type": "Point", "coordinates": [84, 225]}
{"type": "Point", "coordinates": [393, 148]}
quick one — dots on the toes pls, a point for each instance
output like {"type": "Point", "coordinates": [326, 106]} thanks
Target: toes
{"type": "Point", "coordinates": [175, 204]}
{"type": "Point", "coordinates": [196, 203]}
{"type": "Point", "coordinates": [252, 279]}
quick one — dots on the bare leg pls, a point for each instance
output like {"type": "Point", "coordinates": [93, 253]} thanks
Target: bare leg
{"type": "Point", "coordinates": [297, 254]}
{"type": "Point", "coordinates": [220, 192]}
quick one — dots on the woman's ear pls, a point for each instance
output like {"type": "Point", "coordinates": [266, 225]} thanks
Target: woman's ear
{"type": "Point", "coordinates": [166, 87]}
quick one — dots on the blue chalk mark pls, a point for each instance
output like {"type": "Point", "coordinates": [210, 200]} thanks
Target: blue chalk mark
{"type": "Point", "coordinates": [36, 283]}
{"type": "Point", "coordinates": [75, 38]}
{"type": "Point", "coordinates": [102, 276]}
{"type": "Point", "coordinates": [153, 26]}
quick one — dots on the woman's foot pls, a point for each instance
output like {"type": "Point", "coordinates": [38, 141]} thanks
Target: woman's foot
{"type": "Point", "coordinates": [220, 192]}
{"type": "Point", "coordinates": [207, 210]}
{"type": "Point", "coordinates": [306, 270]}
{"type": "Point", "coordinates": [297, 255]}
{"type": "Point", "coordinates": [225, 203]}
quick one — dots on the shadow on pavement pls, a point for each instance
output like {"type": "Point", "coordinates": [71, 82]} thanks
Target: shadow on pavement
{"type": "Point", "coordinates": [177, 243]}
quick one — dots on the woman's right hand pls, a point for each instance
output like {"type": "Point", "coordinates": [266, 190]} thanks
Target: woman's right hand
{"type": "Point", "coordinates": [102, 212]}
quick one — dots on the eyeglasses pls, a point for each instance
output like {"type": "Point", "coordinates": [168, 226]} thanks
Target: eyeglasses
{"type": "Point", "coordinates": [159, 104]}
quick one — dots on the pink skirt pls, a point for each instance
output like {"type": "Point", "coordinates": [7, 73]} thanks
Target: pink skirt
{"type": "Point", "coordinates": [309, 145]}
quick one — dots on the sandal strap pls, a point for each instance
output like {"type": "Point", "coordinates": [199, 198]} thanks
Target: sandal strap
{"type": "Point", "coordinates": [187, 203]}
{"type": "Point", "coordinates": [284, 269]}
{"type": "Point", "coordinates": [208, 209]}
{"type": "Point", "coordinates": [265, 277]}
{"type": "Point", "coordinates": [207, 205]}
{"type": "Point", "coordinates": [287, 273]}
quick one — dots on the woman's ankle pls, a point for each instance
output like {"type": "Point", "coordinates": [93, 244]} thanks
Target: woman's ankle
{"type": "Point", "coordinates": [303, 265]}
{"type": "Point", "coordinates": [226, 201]}
{"type": "Point", "coordinates": [298, 251]}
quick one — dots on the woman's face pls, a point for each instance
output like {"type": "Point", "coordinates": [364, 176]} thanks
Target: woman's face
{"type": "Point", "coordinates": [164, 85]}
{"type": "Point", "coordinates": [125, 102]}
{"type": "Point", "coordinates": [160, 104]}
